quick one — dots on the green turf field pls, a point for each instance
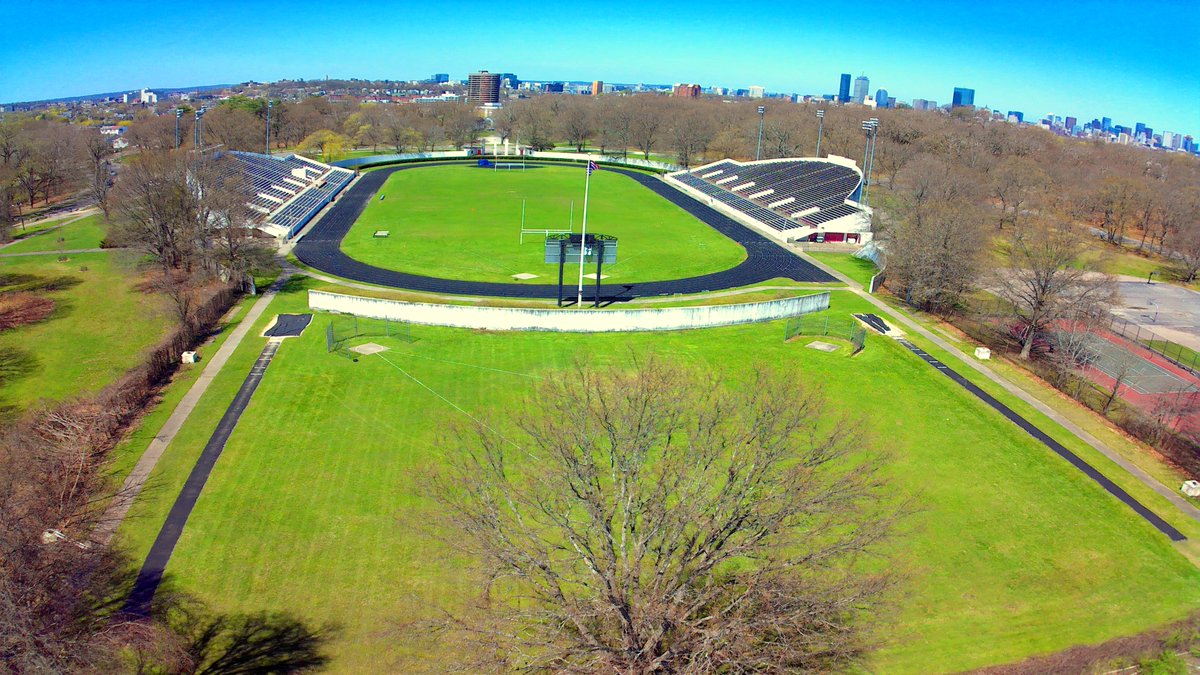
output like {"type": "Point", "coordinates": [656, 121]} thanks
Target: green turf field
{"type": "Point", "coordinates": [87, 232]}
{"type": "Point", "coordinates": [856, 268]}
{"type": "Point", "coordinates": [463, 222]}
{"type": "Point", "coordinates": [97, 332]}
{"type": "Point", "coordinates": [1013, 552]}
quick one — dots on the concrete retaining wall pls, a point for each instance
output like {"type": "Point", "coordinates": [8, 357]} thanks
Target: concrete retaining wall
{"type": "Point", "coordinates": [574, 321]}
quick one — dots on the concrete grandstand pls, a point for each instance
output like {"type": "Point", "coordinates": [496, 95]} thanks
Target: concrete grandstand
{"type": "Point", "coordinates": [795, 199]}
{"type": "Point", "coordinates": [285, 191]}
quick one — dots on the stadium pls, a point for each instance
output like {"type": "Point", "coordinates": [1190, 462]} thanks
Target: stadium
{"type": "Point", "coordinates": [411, 279]}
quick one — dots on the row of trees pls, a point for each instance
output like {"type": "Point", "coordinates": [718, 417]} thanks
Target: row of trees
{"type": "Point", "coordinates": [42, 160]}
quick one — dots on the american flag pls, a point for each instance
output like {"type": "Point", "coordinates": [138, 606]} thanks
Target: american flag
{"type": "Point", "coordinates": [592, 167]}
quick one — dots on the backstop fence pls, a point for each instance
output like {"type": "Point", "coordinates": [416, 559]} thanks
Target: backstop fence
{"type": "Point", "coordinates": [1176, 353]}
{"type": "Point", "coordinates": [345, 327]}
{"type": "Point", "coordinates": [845, 328]}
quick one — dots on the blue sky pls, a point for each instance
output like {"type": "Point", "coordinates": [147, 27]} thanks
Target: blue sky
{"type": "Point", "coordinates": [1134, 62]}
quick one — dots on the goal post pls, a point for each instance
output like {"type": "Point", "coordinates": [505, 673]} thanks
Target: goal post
{"type": "Point", "coordinates": [546, 231]}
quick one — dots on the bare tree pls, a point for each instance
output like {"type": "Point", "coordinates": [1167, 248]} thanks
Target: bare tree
{"type": "Point", "coordinates": [153, 208]}
{"type": "Point", "coordinates": [576, 123]}
{"type": "Point", "coordinates": [1044, 281]}
{"type": "Point", "coordinates": [645, 122]}
{"type": "Point", "coordinates": [1013, 183]}
{"type": "Point", "coordinates": [100, 178]}
{"type": "Point", "coordinates": [658, 520]}
{"type": "Point", "coordinates": [934, 260]}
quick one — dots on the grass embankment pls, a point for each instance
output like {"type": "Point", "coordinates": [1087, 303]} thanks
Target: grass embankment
{"type": "Point", "coordinates": [100, 328]}
{"type": "Point", "coordinates": [86, 232]}
{"type": "Point", "coordinates": [1014, 552]}
{"type": "Point", "coordinates": [463, 222]}
{"type": "Point", "coordinates": [856, 268]}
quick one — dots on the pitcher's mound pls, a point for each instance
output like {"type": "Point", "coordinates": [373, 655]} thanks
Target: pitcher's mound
{"type": "Point", "coordinates": [368, 349]}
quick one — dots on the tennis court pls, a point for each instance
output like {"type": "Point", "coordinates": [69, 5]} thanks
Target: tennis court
{"type": "Point", "coordinates": [1140, 375]}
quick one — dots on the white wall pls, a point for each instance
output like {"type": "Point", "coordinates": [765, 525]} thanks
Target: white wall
{"type": "Point", "coordinates": [566, 320]}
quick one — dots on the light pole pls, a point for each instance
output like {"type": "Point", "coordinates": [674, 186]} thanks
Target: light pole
{"type": "Point", "coordinates": [200, 129]}
{"type": "Point", "coordinates": [871, 163]}
{"type": "Point", "coordinates": [270, 104]}
{"type": "Point", "coordinates": [869, 127]}
{"type": "Point", "coordinates": [820, 128]}
{"type": "Point", "coordinates": [178, 114]}
{"type": "Point", "coordinates": [762, 111]}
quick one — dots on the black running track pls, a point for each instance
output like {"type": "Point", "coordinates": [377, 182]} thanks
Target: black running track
{"type": "Point", "coordinates": [321, 250]}
{"type": "Point", "coordinates": [150, 576]}
{"type": "Point", "coordinates": [1111, 487]}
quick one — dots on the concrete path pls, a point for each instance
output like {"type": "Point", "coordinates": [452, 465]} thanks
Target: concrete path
{"type": "Point", "coordinates": [151, 574]}
{"type": "Point", "coordinates": [136, 479]}
{"type": "Point", "coordinates": [70, 251]}
{"type": "Point", "coordinates": [66, 218]}
{"type": "Point", "coordinates": [1149, 481]}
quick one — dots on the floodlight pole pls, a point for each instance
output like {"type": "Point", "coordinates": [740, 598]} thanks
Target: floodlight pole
{"type": "Point", "coordinates": [871, 163]}
{"type": "Point", "coordinates": [762, 110]}
{"type": "Point", "coordinates": [270, 104]}
{"type": "Point", "coordinates": [583, 233]}
{"type": "Point", "coordinates": [820, 129]}
{"type": "Point", "coordinates": [178, 114]}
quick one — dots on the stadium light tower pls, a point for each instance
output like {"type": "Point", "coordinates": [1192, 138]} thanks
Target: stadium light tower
{"type": "Point", "coordinates": [871, 164]}
{"type": "Point", "coordinates": [200, 128]}
{"type": "Point", "coordinates": [762, 111]}
{"type": "Point", "coordinates": [270, 104]}
{"type": "Point", "coordinates": [178, 114]}
{"type": "Point", "coordinates": [870, 127]}
{"type": "Point", "coordinates": [820, 128]}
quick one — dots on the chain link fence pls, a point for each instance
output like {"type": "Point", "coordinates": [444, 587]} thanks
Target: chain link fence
{"type": "Point", "coordinates": [342, 328]}
{"type": "Point", "coordinates": [1181, 356]}
{"type": "Point", "coordinates": [845, 328]}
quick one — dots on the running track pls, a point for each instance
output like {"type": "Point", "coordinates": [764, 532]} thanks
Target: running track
{"type": "Point", "coordinates": [321, 250]}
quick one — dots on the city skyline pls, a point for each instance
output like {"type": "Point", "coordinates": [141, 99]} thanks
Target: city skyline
{"type": "Point", "coordinates": [1014, 58]}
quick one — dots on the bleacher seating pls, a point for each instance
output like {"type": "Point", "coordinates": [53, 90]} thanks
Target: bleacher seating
{"type": "Point", "coordinates": [783, 194]}
{"type": "Point", "coordinates": [287, 190]}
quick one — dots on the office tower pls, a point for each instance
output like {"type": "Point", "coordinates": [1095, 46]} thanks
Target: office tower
{"type": "Point", "coordinates": [1070, 123]}
{"type": "Point", "coordinates": [963, 97]}
{"type": "Point", "coordinates": [597, 87]}
{"type": "Point", "coordinates": [1106, 123]}
{"type": "Point", "coordinates": [757, 91]}
{"type": "Point", "coordinates": [553, 88]}
{"type": "Point", "coordinates": [861, 85]}
{"type": "Point", "coordinates": [440, 78]}
{"type": "Point", "coordinates": [844, 88]}
{"type": "Point", "coordinates": [1017, 114]}
{"type": "Point", "coordinates": [881, 98]}
{"type": "Point", "coordinates": [686, 90]}
{"type": "Point", "coordinates": [483, 87]}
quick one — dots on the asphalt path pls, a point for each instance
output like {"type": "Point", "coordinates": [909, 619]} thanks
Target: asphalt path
{"type": "Point", "coordinates": [321, 250]}
{"type": "Point", "coordinates": [151, 574]}
{"type": "Point", "coordinates": [1058, 448]}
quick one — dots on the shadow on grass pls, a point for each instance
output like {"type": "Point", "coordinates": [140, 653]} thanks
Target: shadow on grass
{"type": "Point", "coordinates": [16, 363]}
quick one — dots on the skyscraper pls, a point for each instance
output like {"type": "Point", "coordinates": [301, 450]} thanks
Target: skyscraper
{"type": "Point", "coordinates": [597, 87]}
{"type": "Point", "coordinates": [1106, 123]}
{"type": "Point", "coordinates": [440, 78]}
{"type": "Point", "coordinates": [844, 89]}
{"type": "Point", "coordinates": [963, 97]}
{"type": "Point", "coordinates": [861, 86]}
{"type": "Point", "coordinates": [483, 87]}
{"type": "Point", "coordinates": [1017, 115]}
{"type": "Point", "coordinates": [757, 91]}
{"type": "Point", "coordinates": [881, 98]}
{"type": "Point", "coordinates": [1070, 123]}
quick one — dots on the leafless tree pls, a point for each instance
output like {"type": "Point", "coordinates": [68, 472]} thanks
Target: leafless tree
{"type": "Point", "coordinates": [935, 259]}
{"type": "Point", "coordinates": [657, 519]}
{"type": "Point", "coordinates": [100, 179]}
{"type": "Point", "coordinates": [576, 122]}
{"type": "Point", "coordinates": [1014, 183]}
{"type": "Point", "coordinates": [645, 122]}
{"type": "Point", "coordinates": [1044, 282]}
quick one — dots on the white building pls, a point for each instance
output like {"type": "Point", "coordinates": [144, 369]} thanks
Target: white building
{"type": "Point", "coordinates": [148, 97]}
{"type": "Point", "coordinates": [757, 91]}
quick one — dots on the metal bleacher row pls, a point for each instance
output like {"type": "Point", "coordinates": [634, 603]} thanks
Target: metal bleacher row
{"type": "Point", "coordinates": [780, 194]}
{"type": "Point", "coordinates": [286, 191]}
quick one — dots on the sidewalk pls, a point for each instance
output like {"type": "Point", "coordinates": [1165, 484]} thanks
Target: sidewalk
{"type": "Point", "coordinates": [119, 507]}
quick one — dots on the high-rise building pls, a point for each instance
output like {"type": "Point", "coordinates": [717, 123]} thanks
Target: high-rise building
{"type": "Point", "coordinates": [440, 78]}
{"type": "Point", "coordinates": [844, 88]}
{"type": "Point", "coordinates": [553, 88]}
{"type": "Point", "coordinates": [963, 97]}
{"type": "Point", "coordinates": [1020, 116]}
{"type": "Point", "coordinates": [509, 80]}
{"type": "Point", "coordinates": [1070, 123]}
{"type": "Point", "coordinates": [1139, 129]}
{"type": "Point", "coordinates": [881, 98]}
{"type": "Point", "coordinates": [483, 87]}
{"type": "Point", "coordinates": [757, 91]}
{"type": "Point", "coordinates": [597, 87]}
{"type": "Point", "coordinates": [923, 104]}
{"type": "Point", "coordinates": [861, 86]}
{"type": "Point", "coordinates": [1106, 123]}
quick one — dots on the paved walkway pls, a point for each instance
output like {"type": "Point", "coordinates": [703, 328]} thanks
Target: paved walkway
{"type": "Point", "coordinates": [136, 479]}
{"type": "Point", "coordinates": [69, 251]}
{"type": "Point", "coordinates": [1146, 479]}
{"type": "Point", "coordinates": [151, 574]}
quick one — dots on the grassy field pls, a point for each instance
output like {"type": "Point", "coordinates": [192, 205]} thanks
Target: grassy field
{"type": "Point", "coordinates": [98, 330]}
{"type": "Point", "coordinates": [86, 232]}
{"type": "Point", "coordinates": [1013, 553]}
{"type": "Point", "coordinates": [463, 222]}
{"type": "Point", "coordinates": [856, 268]}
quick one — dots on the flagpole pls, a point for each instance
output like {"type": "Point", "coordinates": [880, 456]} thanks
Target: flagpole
{"type": "Point", "coordinates": [583, 234]}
